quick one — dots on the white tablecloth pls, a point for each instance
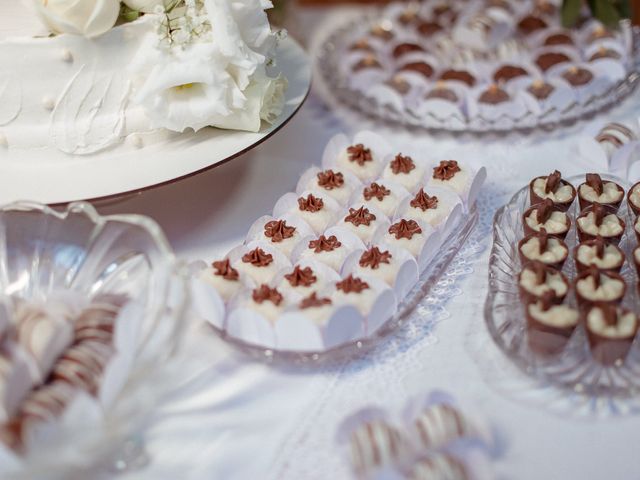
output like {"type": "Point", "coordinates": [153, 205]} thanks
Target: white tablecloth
{"type": "Point", "coordinates": [241, 419]}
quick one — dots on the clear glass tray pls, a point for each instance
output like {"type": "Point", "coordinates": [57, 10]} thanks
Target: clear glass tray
{"type": "Point", "coordinates": [329, 60]}
{"type": "Point", "coordinates": [574, 369]}
{"type": "Point", "coordinates": [428, 278]}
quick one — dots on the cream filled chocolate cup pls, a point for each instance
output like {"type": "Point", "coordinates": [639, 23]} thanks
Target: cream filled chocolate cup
{"type": "Point", "coordinates": [224, 278]}
{"type": "Point", "coordinates": [549, 326]}
{"type": "Point", "coordinates": [599, 220]}
{"type": "Point", "coordinates": [545, 215]}
{"type": "Point", "coordinates": [596, 190]}
{"type": "Point", "coordinates": [553, 187]}
{"type": "Point", "coordinates": [636, 259]}
{"type": "Point", "coordinates": [598, 253]}
{"type": "Point", "coordinates": [536, 279]}
{"type": "Point", "coordinates": [593, 285]}
{"type": "Point", "coordinates": [633, 198]}
{"type": "Point", "coordinates": [636, 228]}
{"type": "Point", "coordinates": [610, 330]}
{"type": "Point", "coordinates": [549, 250]}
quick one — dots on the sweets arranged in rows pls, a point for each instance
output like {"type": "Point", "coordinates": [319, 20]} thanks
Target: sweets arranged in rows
{"type": "Point", "coordinates": [338, 255]}
{"type": "Point", "coordinates": [50, 356]}
{"type": "Point", "coordinates": [485, 59]}
{"type": "Point", "coordinates": [595, 288]}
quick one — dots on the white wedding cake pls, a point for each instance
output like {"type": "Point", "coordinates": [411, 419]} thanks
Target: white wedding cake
{"type": "Point", "coordinates": [85, 77]}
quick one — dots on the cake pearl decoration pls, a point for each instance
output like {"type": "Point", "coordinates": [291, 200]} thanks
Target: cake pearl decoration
{"type": "Point", "coordinates": [48, 103]}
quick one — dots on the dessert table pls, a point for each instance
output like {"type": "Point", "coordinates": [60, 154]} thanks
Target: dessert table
{"type": "Point", "coordinates": [236, 417]}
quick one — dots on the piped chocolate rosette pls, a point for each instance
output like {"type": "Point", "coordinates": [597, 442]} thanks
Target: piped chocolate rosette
{"type": "Point", "coordinates": [554, 188]}
{"type": "Point", "coordinates": [46, 360]}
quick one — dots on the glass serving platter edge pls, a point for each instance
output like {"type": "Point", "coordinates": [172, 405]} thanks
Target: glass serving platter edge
{"type": "Point", "coordinates": [328, 66]}
{"type": "Point", "coordinates": [406, 308]}
{"type": "Point", "coordinates": [574, 369]}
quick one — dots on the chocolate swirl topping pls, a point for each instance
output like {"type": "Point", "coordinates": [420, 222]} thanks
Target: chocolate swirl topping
{"type": "Point", "coordinates": [373, 257]}
{"type": "Point", "coordinates": [330, 179]}
{"type": "Point", "coordinates": [405, 229]}
{"type": "Point", "coordinates": [360, 216]}
{"type": "Point", "coordinates": [264, 293]}
{"type": "Point", "coordinates": [224, 269]}
{"type": "Point", "coordinates": [402, 164]}
{"type": "Point", "coordinates": [376, 190]}
{"type": "Point", "coordinates": [278, 230]}
{"type": "Point", "coordinates": [352, 284]}
{"type": "Point", "coordinates": [258, 258]}
{"type": "Point", "coordinates": [446, 170]}
{"type": "Point", "coordinates": [301, 277]}
{"type": "Point", "coordinates": [423, 201]}
{"type": "Point", "coordinates": [359, 154]}
{"type": "Point", "coordinates": [553, 182]}
{"type": "Point", "coordinates": [595, 182]}
{"type": "Point", "coordinates": [310, 204]}
{"type": "Point", "coordinates": [324, 244]}
{"type": "Point", "coordinates": [544, 211]}
{"type": "Point", "coordinates": [313, 301]}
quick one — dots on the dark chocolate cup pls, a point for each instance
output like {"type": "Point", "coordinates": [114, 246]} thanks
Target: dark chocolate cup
{"type": "Point", "coordinates": [585, 303]}
{"type": "Point", "coordinates": [527, 297]}
{"type": "Point", "coordinates": [545, 339]}
{"type": "Point", "coordinates": [524, 260]}
{"type": "Point", "coordinates": [530, 231]}
{"type": "Point", "coordinates": [586, 203]}
{"type": "Point", "coordinates": [581, 267]}
{"type": "Point", "coordinates": [534, 198]}
{"type": "Point", "coordinates": [635, 262]}
{"type": "Point", "coordinates": [585, 237]}
{"type": "Point", "coordinates": [635, 209]}
{"type": "Point", "coordinates": [608, 350]}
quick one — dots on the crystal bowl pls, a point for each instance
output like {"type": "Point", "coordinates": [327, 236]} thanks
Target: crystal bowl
{"type": "Point", "coordinates": [46, 254]}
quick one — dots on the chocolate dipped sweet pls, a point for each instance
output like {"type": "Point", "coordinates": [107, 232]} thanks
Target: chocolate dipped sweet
{"type": "Point", "coordinates": [593, 285]}
{"type": "Point", "coordinates": [405, 171]}
{"type": "Point", "coordinates": [547, 60]}
{"type": "Point", "coordinates": [549, 250]}
{"type": "Point", "coordinates": [597, 190]}
{"type": "Point", "coordinates": [549, 326]}
{"type": "Point", "coordinates": [598, 253]}
{"type": "Point", "coordinates": [363, 222]}
{"type": "Point", "coordinates": [636, 228]}
{"type": "Point", "coordinates": [546, 216]}
{"type": "Point", "coordinates": [633, 198]}
{"type": "Point", "coordinates": [598, 220]}
{"type": "Point", "coordinates": [462, 76]}
{"type": "Point", "coordinates": [407, 234]}
{"type": "Point", "coordinates": [223, 277]}
{"type": "Point", "coordinates": [326, 249]}
{"type": "Point", "coordinates": [493, 95]}
{"type": "Point", "coordinates": [613, 136]}
{"type": "Point", "coordinates": [577, 76]}
{"type": "Point", "coordinates": [553, 187]}
{"type": "Point", "coordinates": [610, 331]}
{"type": "Point", "coordinates": [531, 23]}
{"type": "Point", "coordinates": [536, 279]}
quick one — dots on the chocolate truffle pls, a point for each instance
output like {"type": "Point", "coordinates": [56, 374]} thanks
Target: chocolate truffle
{"type": "Point", "coordinates": [553, 187]}
{"type": "Point", "coordinates": [603, 52]}
{"type": "Point", "coordinates": [599, 254]}
{"type": "Point", "coordinates": [599, 220]}
{"type": "Point", "coordinates": [223, 277]}
{"type": "Point", "coordinates": [577, 76]}
{"type": "Point", "coordinates": [441, 92]}
{"type": "Point", "coordinates": [407, 234]}
{"type": "Point", "coordinates": [362, 222]}
{"type": "Point", "coordinates": [257, 265]}
{"type": "Point", "coordinates": [428, 29]}
{"type": "Point", "coordinates": [549, 326]}
{"type": "Point", "coordinates": [430, 209]}
{"type": "Point", "coordinates": [423, 68]}
{"type": "Point", "coordinates": [540, 89]}
{"type": "Point", "coordinates": [406, 172]}
{"type": "Point", "coordinates": [610, 331]}
{"type": "Point", "coordinates": [332, 182]}
{"type": "Point", "coordinates": [328, 250]}
{"type": "Point", "coordinates": [459, 76]}
{"type": "Point", "coordinates": [549, 59]}
{"type": "Point", "coordinates": [452, 175]}
{"type": "Point", "coordinates": [493, 95]}
{"type": "Point", "coordinates": [551, 251]}
{"type": "Point", "coordinates": [596, 190]}
{"type": "Point", "coordinates": [370, 62]}
{"type": "Point", "coordinates": [545, 215]}
{"type": "Point", "coordinates": [614, 136]}
{"type": "Point", "coordinates": [404, 48]}
{"type": "Point", "coordinates": [376, 194]}
{"type": "Point", "coordinates": [357, 292]}
{"type": "Point", "coordinates": [530, 24]}
{"type": "Point", "coordinates": [508, 72]}
{"type": "Point", "coordinates": [360, 160]}
{"type": "Point", "coordinates": [536, 279]}
{"type": "Point", "coordinates": [558, 39]}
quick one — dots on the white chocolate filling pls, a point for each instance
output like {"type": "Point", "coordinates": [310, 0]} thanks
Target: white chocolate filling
{"type": "Point", "coordinates": [433, 216]}
{"type": "Point", "coordinates": [564, 193]}
{"type": "Point", "coordinates": [318, 221]}
{"type": "Point", "coordinates": [459, 183]}
{"type": "Point", "coordinates": [555, 252]}
{"type": "Point", "coordinates": [387, 205]}
{"type": "Point", "coordinates": [287, 245]}
{"type": "Point", "coordinates": [414, 246]}
{"type": "Point", "coordinates": [410, 180]}
{"type": "Point", "coordinates": [226, 288]}
{"type": "Point", "coordinates": [333, 259]}
{"type": "Point", "coordinates": [636, 225]}
{"type": "Point", "coordinates": [259, 274]}
{"type": "Point", "coordinates": [267, 309]}
{"type": "Point", "coordinates": [386, 272]}
{"type": "Point", "coordinates": [559, 316]}
{"type": "Point", "coordinates": [553, 282]}
{"type": "Point", "coordinates": [610, 193]}
{"type": "Point", "coordinates": [609, 288]}
{"type": "Point", "coordinates": [625, 327]}
{"type": "Point", "coordinates": [363, 301]}
{"type": "Point", "coordinates": [364, 232]}
{"type": "Point", "coordinates": [587, 255]}
{"type": "Point", "coordinates": [636, 255]}
{"type": "Point", "coordinates": [634, 196]}
{"type": "Point", "coordinates": [610, 226]}
{"type": "Point", "coordinates": [557, 222]}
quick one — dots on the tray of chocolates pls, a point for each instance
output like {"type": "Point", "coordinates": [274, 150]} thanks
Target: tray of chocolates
{"type": "Point", "coordinates": [482, 66]}
{"type": "Point", "coordinates": [563, 299]}
{"type": "Point", "coordinates": [345, 258]}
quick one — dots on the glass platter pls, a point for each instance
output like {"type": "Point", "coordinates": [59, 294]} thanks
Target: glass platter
{"type": "Point", "coordinates": [329, 60]}
{"type": "Point", "coordinates": [405, 313]}
{"type": "Point", "coordinates": [574, 368]}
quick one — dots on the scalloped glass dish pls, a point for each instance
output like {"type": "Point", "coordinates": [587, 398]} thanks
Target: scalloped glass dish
{"type": "Point", "coordinates": [328, 65]}
{"type": "Point", "coordinates": [405, 313]}
{"type": "Point", "coordinates": [574, 368]}
{"type": "Point", "coordinates": [46, 253]}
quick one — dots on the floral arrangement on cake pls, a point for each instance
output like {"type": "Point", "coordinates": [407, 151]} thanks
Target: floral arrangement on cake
{"type": "Point", "coordinates": [198, 62]}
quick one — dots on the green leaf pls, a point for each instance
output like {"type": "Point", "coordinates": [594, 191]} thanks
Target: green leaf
{"type": "Point", "coordinates": [130, 15]}
{"type": "Point", "coordinates": [606, 12]}
{"type": "Point", "coordinates": [570, 12]}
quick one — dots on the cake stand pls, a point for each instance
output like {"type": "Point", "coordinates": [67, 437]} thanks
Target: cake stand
{"type": "Point", "coordinates": [110, 175]}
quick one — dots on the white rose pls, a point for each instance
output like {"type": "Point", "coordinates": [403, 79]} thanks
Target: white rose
{"type": "Point", "coordinates": [81, 17]}
{"type": "Point", "coordinates": [146, 6]}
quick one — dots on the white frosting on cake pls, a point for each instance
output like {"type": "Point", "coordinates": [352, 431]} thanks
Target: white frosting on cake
{"type": "Point", "coordinates": [609, 288]}
{"type": "Point", "coordinates": [610, 193]}
{"type": "Point", "coordinates": [610, 226]}
{"type": "Point", "coordinates": [554, 253]}
{"type": "Point", "coordinates": [267, 309]}
{"type": "Point", "coordinates": [367, 170]}
{"type": "Point", "coordinates": [318, 314]}
{"type": "Point", "coordinates": [363, 300]}
{"type": "Point", "coordinates": [625, 326]}
{"type": "Point", "coordinates": [553, 281]}
{"type": "Point", "coordinates": [557, 222]}
{"type": "Point", "coordinates": [259, 274]}
{"type": "Point", "coordinates": [413, 245]}
{"type": "Point", "coordinates": [459, 183]}
{"type": "Point", "coordinates": [562, 195]}
{"type": "Point", "coordinates": [410, 180]}
{"type": "Point", "coordinates": [588, 255]}
{"type": "Point", "coordinates": [559, 316]}
{"type": "Point", "coordinates": [226, 288]}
